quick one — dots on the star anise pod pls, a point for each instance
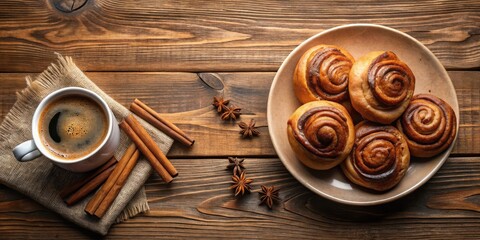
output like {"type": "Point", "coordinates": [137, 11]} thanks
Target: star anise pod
{"type": "Point", "coordinates": [235, 164]}
{"type": "Point", "coordinates": [241, 184]}
{"type": "Point", "coordinates": [248, 130]}
{"type": "Point", "coordinates": [220, 103]}
{"type": "Point", "coordinates": [268, 195]}
{"type": "Point", "coordinates": [231, 113]}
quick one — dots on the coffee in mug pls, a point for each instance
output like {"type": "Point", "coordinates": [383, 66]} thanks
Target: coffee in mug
{"type": "Point", "coordinates": [72, 126]}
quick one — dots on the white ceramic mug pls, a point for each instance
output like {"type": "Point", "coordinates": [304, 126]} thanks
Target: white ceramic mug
{"type": "Point", "coordinates": [34, 148]}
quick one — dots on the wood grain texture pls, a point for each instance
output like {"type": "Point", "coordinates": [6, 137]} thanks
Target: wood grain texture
{"type": "Point", "coordinates": [467, 86]}
{"type": "Point", "coordinates": [176, 55]}
{"type": "Point", "coordinates": [186, 100]}
{"type": "Point", "coordinates": [199, 203]}
{"type": "Point", "coordinates": [201, 36]}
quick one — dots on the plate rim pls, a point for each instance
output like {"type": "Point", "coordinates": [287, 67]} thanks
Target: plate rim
{"type": "Point", "coordinates": [328, 196]}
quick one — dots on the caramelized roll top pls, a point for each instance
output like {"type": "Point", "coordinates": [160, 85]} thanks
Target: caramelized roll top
{"type": "Point", "coordinates": [321, 134]}
{"type": "Point", "coordinates": [379, 158]}
{"type": "Point", "coordinates": [429, 124]}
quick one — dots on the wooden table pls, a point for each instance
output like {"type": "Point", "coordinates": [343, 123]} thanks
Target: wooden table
{"type": "Point", "coordinates": [166, 52]}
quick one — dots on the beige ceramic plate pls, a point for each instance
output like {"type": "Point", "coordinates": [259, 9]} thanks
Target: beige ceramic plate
{"type": "Point", "coordinates": [358, 39]}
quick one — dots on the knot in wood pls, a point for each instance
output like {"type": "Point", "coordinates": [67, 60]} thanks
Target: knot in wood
{"type": "Point", "coordinates": [68, 6]}
{"type": "Point", "coordinates": [212, 80]}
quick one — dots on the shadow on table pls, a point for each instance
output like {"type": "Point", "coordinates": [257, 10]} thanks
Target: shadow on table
{"type": "Point", "coordinates": [313, 206]}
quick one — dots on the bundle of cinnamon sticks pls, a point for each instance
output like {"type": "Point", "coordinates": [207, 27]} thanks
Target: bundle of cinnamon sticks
{"type": "Point", "coordinates": [113, 174]}
{"type": "Point", "coordinates": [149, 148]}
{"type": "Point", "coordinates": [75, 192]}
{"type": "Point", "coordinates": [152, 117]}
{"type": "Point", "coordinates": [102, 200]}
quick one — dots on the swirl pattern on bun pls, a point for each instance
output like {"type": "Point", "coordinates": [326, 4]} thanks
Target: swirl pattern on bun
{"type": "Point", "coordinates": [322, 74]}
{"type": "Point", "coordinates": [429, 124]}
{"type": "Point", "coordinates": [379, 158]}
{"type": "Point", "coordinates": [321, 134]}
{"type": "Point", "coordinates": [381, 86]}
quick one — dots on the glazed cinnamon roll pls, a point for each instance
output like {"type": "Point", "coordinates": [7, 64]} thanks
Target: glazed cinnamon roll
{"type": "Point", "coordinates": [429, 124]}
{"type": "Point", "coordinates": [380, 86]}
{"type": "Point", "coordinates": [321, 133]}
{"type": "Point", "coordinates": [322, 74]}
{"type": "Point", "coordinates": [379, 158]}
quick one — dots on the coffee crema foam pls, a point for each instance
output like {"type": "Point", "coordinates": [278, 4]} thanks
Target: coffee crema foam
{"type": "Point", "coordinates": [73, 126]}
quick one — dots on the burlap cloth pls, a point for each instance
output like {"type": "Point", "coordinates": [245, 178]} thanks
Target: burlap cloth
{"type": "Point", "coordinates": [41, 180]}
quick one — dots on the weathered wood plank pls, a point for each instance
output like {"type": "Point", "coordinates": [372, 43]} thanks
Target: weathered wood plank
{"type": "Point", "coordinates": [199, 203]}
{"type": "Point", "coordinates": [186, 100]}
{"type": "Point", "coordinates": [198, 36]}
{"type": "Point", "coordinates": [467, 86]}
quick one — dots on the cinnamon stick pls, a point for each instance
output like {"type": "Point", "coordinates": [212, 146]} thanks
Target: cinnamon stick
{"type": "Point", "coordinates": [97, 199]}
{"type": "Point", "coordinates": [113, 193]}
{"type": "Point", "coordinates": [152, 117]}
{"type": "Point", "coordinates": [68, 190]}
{"type": "Point", "coordinates": [151, 145]}
{"type": "Point", "coordinates": [146, 152]}
{"type": "Point", "coordinates": [89, 186]}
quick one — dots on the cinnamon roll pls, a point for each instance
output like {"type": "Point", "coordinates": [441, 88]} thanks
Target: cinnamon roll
{"type": "Point", "coordinates": [380, 86]}
{"type": "Point", "coordinates": [379, 158]}
{"type": "Point", "coordinates": [322, 74]}
{"type": "Point", "coordinates": [321, 133]}
{"type": "Point", "coordinates": [429, 124]}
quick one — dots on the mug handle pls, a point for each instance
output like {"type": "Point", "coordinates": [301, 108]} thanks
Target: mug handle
{"type": "Point", "coordinates": [26, 151]}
